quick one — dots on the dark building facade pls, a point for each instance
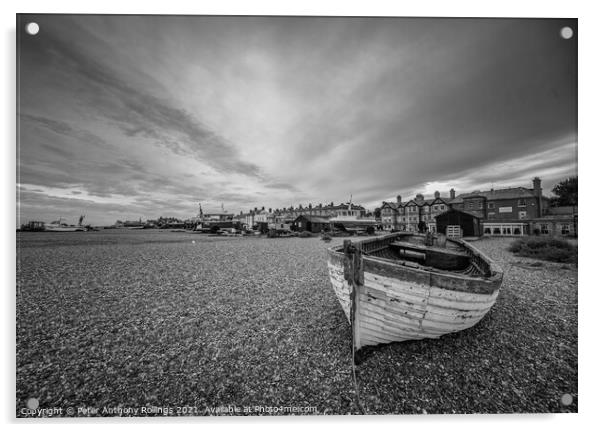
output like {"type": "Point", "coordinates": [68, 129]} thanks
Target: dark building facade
{"type": "Point", "coordinates": [469, 224]}
{"type": "Point", "coordinates": [314, 224]}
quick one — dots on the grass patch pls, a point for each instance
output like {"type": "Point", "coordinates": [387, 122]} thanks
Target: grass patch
{"type": "Point", "coordinates": [548, 249]}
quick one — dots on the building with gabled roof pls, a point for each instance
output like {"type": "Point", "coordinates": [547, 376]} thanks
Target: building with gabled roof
{"type": "Point", "coordinates": [415, 214]}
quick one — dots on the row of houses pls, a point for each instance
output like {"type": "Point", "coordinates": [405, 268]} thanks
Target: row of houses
{"type": "Point", "coordinates": [313, 218]}
{"type": "Point", "coordinates": [504, 212]}
{"type": "Point", "coordinates": [303, 218]}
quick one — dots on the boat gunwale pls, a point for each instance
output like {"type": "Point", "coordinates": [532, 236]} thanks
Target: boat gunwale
{"type": "Point", "coordinates": [493, 279]}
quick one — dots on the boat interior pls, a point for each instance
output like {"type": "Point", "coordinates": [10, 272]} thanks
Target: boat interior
{"type": "Point", "coordinates": [426, 252]}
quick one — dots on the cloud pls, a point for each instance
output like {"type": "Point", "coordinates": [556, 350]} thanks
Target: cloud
{"type": "Point", "coordinates": [61, 128]}
{"type": "Point", "coordinates": [137, 112]}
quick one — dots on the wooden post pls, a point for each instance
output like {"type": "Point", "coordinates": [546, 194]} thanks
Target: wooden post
{"type": "Point", "coordinates": [354, 275]}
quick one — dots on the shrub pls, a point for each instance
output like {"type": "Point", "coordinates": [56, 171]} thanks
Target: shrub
{"type": "Point", "coordinates": [549, 249]}
{"type": "Point", "coordinates": [515, 246]}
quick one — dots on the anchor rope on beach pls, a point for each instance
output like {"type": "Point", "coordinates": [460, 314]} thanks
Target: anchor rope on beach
{"type": "Point", "coordinates": [358, 401]}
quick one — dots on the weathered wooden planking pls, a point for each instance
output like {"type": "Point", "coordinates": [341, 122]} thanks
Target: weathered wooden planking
{"type": "Point", "coordinates": [396, 285]}
{"type": "Point", "coordinates": [341, 288]}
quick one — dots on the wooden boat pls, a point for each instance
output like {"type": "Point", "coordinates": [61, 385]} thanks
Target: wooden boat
{"type": "Point", "coordinates": [60, 226]}
{"type": "Point", "coordinates": [396, 288]}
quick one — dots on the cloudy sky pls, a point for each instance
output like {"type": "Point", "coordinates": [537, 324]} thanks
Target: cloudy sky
{"type": "Point", "coordinates": [129, 117]}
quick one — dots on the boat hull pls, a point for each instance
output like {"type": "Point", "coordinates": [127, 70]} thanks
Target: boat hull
{"type": "Point", "coordinates": [392, 303]}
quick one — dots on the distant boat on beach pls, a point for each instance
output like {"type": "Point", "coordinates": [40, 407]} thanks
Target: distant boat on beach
{"type": "Point", "coordinates": [60, 226]}
{"type": "Point", "coordinates": [352, 219]}
{"type": "Point", "coordinates": [405, 286]}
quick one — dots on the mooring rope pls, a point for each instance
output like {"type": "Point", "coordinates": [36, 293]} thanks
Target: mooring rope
{"type": "Point", "coordinates": [357, 391]}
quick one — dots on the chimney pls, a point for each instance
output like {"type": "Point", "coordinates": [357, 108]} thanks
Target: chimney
{"type": "Point", "coordinates": [437, 194]}
{"type": "Point", "coordinates": [398, 200]}
{"type": "Point", "coordinates": [452, 193]}
{"type": "Point", "coordinates": [537, 193]}
{"type": "Point", "coordinates": [537, 186]}
{"type": "Point", "coordinates": [270, 210]}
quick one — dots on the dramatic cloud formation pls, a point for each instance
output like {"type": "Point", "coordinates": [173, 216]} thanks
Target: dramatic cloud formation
{"type": "Point", "coordinates": [122, 117]}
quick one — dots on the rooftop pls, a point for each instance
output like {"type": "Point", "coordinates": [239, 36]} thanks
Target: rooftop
{"type": "Point", "coordinates": [315, 219]}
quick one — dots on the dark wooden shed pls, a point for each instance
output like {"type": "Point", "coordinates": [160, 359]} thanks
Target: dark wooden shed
{"type": "Point", "coordinates": [468, 223]}
{"type": "Point", "coordinates": [314, 224]}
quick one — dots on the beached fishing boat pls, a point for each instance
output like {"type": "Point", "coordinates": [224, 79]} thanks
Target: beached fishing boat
{"type": "Point", "coordinates": [407, 286]}
{"type": "Point", "coordinates": [352, 219]}
{"type": "Point", "coordinates": [60, 226]}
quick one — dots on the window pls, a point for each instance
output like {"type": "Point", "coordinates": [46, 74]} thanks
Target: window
{"type": "Point", "coordinates": [565, 229]}
{"type": "Point", "coordinates": [470, 204]}
{"type": "Point", "coordinates": [522, 202]}
{"type": "Point", "coordinates": [522, 214]}
{"type": "Point", "coordinates": [490, 205]}
{"type": "Point", "coordinates": [517, 231]}
{"type": "Point", "coordinates": [487, 230]}
{"type": "Point", "coordinates": [442, 207]}
{"type": "Point", "coordinates": [496, 231]}
{"type": "Point", "coordinates": [544, 229]}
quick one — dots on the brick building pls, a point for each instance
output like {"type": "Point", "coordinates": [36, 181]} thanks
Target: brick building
{"type": "Point", "coordinates": [509, 211]}
{"type": "Point", "coordinates": [412, 214]}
